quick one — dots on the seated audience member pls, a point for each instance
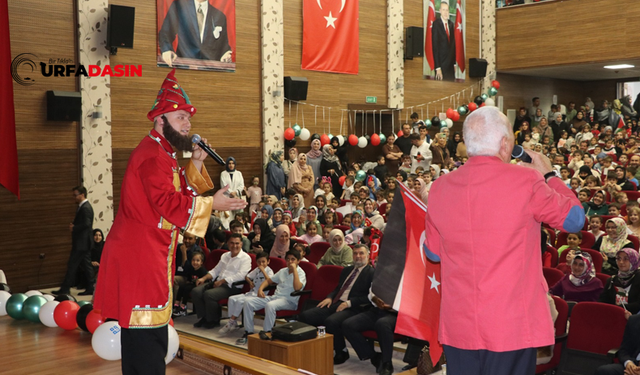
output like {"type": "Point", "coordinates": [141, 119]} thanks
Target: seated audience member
{"type": "Point", "coordinates": [266, 212]}
{"type": "Point", "coordinates": [581, 284]}
{"type": "Point", "coordinates": [282, 243]}
{"type": "Point", "coordinates": [277, 218]}
{"type": "Point", "coordinates": [357, 228]}
{"type": "Point", "coordinates": [96, 249]}
{"type": "Point", "coordinates": [628, 352]}
{"type": "Point", "coordinates": [621, 180]}
{"type": "Point", "coordinates": [609, 244]}
{"type": "Point", "coordinates": [236, 227]}
{"type": "Point", "coordinates": [380, 318]}
{"type": "Point", "coordinates": [345, 301]}
{"type": "Point", "coordinates": [348, 189]}
{"type": "Point", "coordinates": [326, 230]}
{"type": "Point", "coordinates": [595, 222]}
{"type": "Point", "coordinates": [312, 219]}
{"type": "Point", "coordinates": [634, 221]}
{"type": "Point", "coordinates": [262, 237]}
{"type": "Point", "coordinates": [372, 216]}
{"type": "Point", "coordinates": [614, 210]}
{"type": "Point", "coordinates": [346, 220]}
{"type": "Point", "coordinates": [583, 196]}
{"type": "Point", "coordinates": [233, 266]}
{"type": "Point", "coordinates": [573, 242]}
{"type": "Point", "coordinates": [321, 206]}
{"type": "Point", "coordinates": [311, 235]}
{"type": "Point", "coordinates": [255, 279]}
{"type": "Point", "coordinates": [304, 251]}
{"type": "Point", "coordinates": [219, 239]}
{"type": "Point", "coordinates": [288, 280]}
{"type": "Point", "coordinates": [339, 254]}
{"type": "Point", "coordinates": [623, 288]}
{"type": "Point", "coordinates": [192, 273]}
{"type": "Point", "coordinates": [288, 221]}
{"type": "Point", "coordinates": [597, 205]}
{"type": "Point", "coordinates": [185, 251]}
{"type": "Point", "coordinates": [330, 217]}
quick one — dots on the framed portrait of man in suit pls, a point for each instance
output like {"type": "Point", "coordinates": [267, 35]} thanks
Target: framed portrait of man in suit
{"type": "Point", "coordinates": [444, 28]}
{"type": "Point", "coordinates": [197, 34]}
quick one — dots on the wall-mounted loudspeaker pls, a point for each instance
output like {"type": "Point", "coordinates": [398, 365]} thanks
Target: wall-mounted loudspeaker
{"type": "Point", "coordinates": [295, 88]}
{"type": "Point", "coordinates": [477, 68]}
{"type": "Point", "coordinates": [120, 27]}
{"type": "Point", "coordinates": [415, 43]}
{"type": "Point", "coordinates": [64, 106]}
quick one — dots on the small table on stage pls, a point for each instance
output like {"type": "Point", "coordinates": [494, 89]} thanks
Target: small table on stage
{"type": "Point", "coordinates": [315, 355]}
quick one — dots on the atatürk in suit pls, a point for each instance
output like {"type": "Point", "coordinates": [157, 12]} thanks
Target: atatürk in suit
{"type": "Point", "coordinates": [629, 350]}
{"type": "Point", "coordinates": [182, 20]}
{"type": "Point", "coordinates": [327, 316]}
{"type": "Point", "coordinates": [444, 48]}
{"type": "Point", "coordinates": [81, 241]}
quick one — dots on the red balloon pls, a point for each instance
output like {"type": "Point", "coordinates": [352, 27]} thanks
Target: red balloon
{"type": "Point", "coordinates": [94, 320]}
{"type": "Point", "coordinates": [456, 116]}
{"type": "Point", "coordinates": [375, 139]}
{"type": "Point", "coordinates": [289, 134]}
{"type": "Point", "coordinates": [472, 106]}
{"type": "Point", "coordinates": [353, 140]}
{"type": "Point", "coordinates": [495, 84]}
{"type": "Point", "coordinates": [482, 105]}
{"type": "Point", "coordinates": [65, 315]}
{"type": "Point", "coordinates": [400, 133]}
{"type": "Point", "coordinates": [450, 113]}
{"type": "Point", "coordinates": [341, 180]}
{"type": "Point", "coordinates": [324, 140]}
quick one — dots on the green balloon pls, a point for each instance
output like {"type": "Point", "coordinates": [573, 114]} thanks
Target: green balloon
{"type": "Point", "coordinates": [484, 97]}
{"type": "Point", "coordinates": [82, 303]}
{"type": "Point", "coordinates": [361, 175]}
{"type": "Point", "coordinates": [462, 110]}
{"type": "Point", "coordinates": [427, 123]}
{"type": "Point", "coordinates": [383, 138]}
{"type": "Point", "coordinates": [31, 308]}
{"type": "Point", "coordinates": [493, 91]}
{"type": "Point", "coordinates": [14, 305]}
{"type": "Point", "coordinates": [297, 129]}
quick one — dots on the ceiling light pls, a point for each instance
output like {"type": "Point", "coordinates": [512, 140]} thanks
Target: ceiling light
{"type": "Point", "coordinates": [620, 66]}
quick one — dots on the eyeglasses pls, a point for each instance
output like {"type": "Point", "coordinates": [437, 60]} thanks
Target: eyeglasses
{"type": "Point", "coordinates": [621, 259]}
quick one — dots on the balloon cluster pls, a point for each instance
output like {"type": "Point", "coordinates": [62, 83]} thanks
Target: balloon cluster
{"type": "Point", "coordinates": [464, 109]}
{"type": "Point", "coordinates": [291, 133]}
{"type": "Point", "coordinates": [65, 312]}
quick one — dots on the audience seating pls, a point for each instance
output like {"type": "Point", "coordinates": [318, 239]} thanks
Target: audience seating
{"type": "Point", "coordinates": [382, 209]}
{"type": "Point", "coordinates": [588, 239]}
{"type": "Point", "coordinates": [317, 250]}
{"type": "Point", "coordinates": [561, 335]}
{"type": "Point", "coordinates": [595, 256]}
{"type": "Point", "coordinates": [552, 235]}
{"type": "Point", "coordinates": [632, 195]}
{"type": "Point", "coordinates": [595, 329]}
{"type": "Point", "coordinates": [214, 258]}
{"type": "Point", "coordinates": [343, 228]}
{"type": "Point", "coordinates": [554, 255]}
{"type": "Point", "coordinates": [603, 277]}
{"type": "Point", "coordinates": [276, 264]}
{"type": "Point", "coordinates": [326, 280]}
{"type": "Point", "coordinates": [340, 216]}
{"type": "Point", "coordinates": [634, 240]}
{"type": "Point", "coordinates": [552, 275]}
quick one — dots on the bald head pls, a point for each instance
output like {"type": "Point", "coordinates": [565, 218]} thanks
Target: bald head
{"type": "Point", "coordinates": [485, 132]}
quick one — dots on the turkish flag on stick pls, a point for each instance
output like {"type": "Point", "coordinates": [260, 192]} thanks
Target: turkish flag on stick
{"type": "Point", "coordinates": [459, 37]}
{"type": "Point", "coordinates": [8, 147]}
{"type": "Point", "coordinates": [428, 43]}
{"type": "Point", "coordinates": [330, 36]}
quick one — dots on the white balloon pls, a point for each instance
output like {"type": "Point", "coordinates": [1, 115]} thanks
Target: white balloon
{"type": "Point", "coordinates": [106, 341]}
{"type": "Point", "coordinates": [46, 314]}
{"type": "Point", "coordinates": [305, 134]}
{"type": "Point", "coordinates": [4, 296]}
{"type": "Point", "coordinates": [33, 293]}
{"type": "Point", "coordinates": [49, 297]}
{"type": "Point", "coordinates": [362, 142]}
{"type": "Point", "coordinates": [449, 123]}
{"type": "Point", "coordinates": [340, 140]}
{"type": "Point", "coordinates": [490, 102]}
{"type": "Point", "coordinates": [174, 345]}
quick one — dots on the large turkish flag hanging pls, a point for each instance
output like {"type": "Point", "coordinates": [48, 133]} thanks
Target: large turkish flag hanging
{"type": "Point", "coordinates": [330, 36]}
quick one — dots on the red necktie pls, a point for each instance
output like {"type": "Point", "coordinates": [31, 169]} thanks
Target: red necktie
{"type": "Point", "coordinates": [346, 285]}
{"type": "Point", "coordinates": [446, 28]}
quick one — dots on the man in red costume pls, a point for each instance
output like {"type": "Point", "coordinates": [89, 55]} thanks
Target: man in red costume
{"type": "Point", "coordinates": [158, 198]}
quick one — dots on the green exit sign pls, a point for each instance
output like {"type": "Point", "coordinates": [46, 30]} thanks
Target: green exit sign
{"type": "Point", "coordinates": [372, 99]}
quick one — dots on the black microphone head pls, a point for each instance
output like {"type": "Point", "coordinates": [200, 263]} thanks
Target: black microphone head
{"type": "Point", "coordinates": [196, 138]}
{"type": "Point", "coordinates": [517, 152]}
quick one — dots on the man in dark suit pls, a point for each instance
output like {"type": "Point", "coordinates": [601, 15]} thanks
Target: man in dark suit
{"type": "Point", "coordinates": [201, 30]}
{"type": "Point", "coordinates": [345, 301]}
{"type": "Point", "coordinates": [81, 241]}
{"type": "Point", "coordinates": [443, 41]}
{"type": "Point", "coordinates": [628, 353]}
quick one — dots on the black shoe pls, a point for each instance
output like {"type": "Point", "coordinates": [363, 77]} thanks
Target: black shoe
{"type": "Point", "coordinates": [375, 360]}
{"type": "Point", "coordinates": [340, 357]}
{"type": "Point", "coordinates": [88, 292]}
{"type": "Point", "coordinates": [408, 367]}
{"type": "Point", "coordinates": [263, 335]}
{"type": "Point", "coordinates": [386, 368]}
{"type": "Point", "coordinates": [60, 291]}
{"type": "Point", "coordinates": [199, 323]}
{"type": "Point", "coordinates": [210, 325]}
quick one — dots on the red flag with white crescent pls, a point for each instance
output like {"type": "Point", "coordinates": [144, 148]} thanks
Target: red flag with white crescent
{"type": "Point", "coordinates": [428, 43]}
{"type": "Point", "coordinates": [330, 36]}
{"type": "Point", "coordinates": [460, 37]}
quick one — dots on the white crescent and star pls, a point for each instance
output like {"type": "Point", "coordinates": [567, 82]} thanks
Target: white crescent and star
{"type": "Point", "coordinates": [434, 282]}
{"type": "Point", "coordinates": [330, 18]}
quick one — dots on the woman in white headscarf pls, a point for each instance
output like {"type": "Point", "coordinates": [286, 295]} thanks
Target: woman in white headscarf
{"type": "Point", "coordinates": [339, 254]}
{"type": "Point", "coordinates": [314, 158]}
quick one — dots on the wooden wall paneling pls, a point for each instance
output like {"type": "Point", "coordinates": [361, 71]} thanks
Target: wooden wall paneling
{"type": "Point", "coordinates": [565, 32]}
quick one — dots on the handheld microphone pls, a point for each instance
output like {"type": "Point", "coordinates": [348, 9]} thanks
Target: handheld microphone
{"type": "Point", "coordinates": [518, 153]}
{"type": "Point", "coordinates": [198, 140]}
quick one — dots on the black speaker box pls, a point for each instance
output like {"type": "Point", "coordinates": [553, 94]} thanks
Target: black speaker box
{"type": "Point", "coordinates": [414, 42]}
{"type": "Point", "coordinates": [295, 88]}
{"type": "Point", "coordinates": [120, 28]}
{"type": "Point", "coordinates": [64, 106]}
{"type": "Point", "coordinates": [477, 68]}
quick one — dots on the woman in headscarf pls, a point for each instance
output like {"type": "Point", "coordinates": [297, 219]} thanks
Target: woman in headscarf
{"type": "Point", "coordinates": [535, 120]}
{"type": "Point", "coordinates": [372, 216]}
{"type": "Point", "coordinates": [402, 176]}
{"type": "Point", "coordinates": [287, 164]}
{"type": "Point", "coordinates": [277, 218]}
{"type": "Point", "coordinates": [330, 167]}
{"type": "Point", "coordinates": [321, 206]}
{"type": "Point", "coordinates": [232, 178]}
{"type": "Point", "coordinates": [597, 205]}
{"type": "Point", "coordinates": [276, 178]}
{"type": "Point", "coordinates": [312, 219]}
{"type": "Point", "coordinates": [341, 151]}
{"type": "Point", "coordinates": [421, 189]}
{"type": "Point", "coordinates": [357, 227]}
{"type": "Point", "coordinates": [439, 150]}
{"type": "Point", "coordinates": [435, 171]}
{"type": "Point", "coordinates": [578, 122]}
{"type": "Point", "coordinates": [545, 130]}
{"type": "Point", "coordinates": [452, 144]}
{"type": "Point", "coordinates": [623, 288]}
{"type": "Point", "coordinates": [558, 125]}
{"type": "Point", "coordinates": [262, 237]}
{"type": "Point", "coordinates": [609, 244]}
{"type": "Point", "coordinates": [96, 248]}
{"type": "Point", "coordinates": [339, 254]}
{"type": "Point", "coordinates": [581, 284]}
{"type": "Point", "coordinates": [299, 171]}
{"type": "Point", "coordinates": [314, 158]}
{"type": "Point", "coordinates": [282, 242]}
{"type": "Point", "coordinates": [296, 206]}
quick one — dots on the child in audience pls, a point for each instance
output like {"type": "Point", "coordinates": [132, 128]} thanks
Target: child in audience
{"type": "Point", "coordinates": [591, 183]}
{"type": "Point", "coordinates": [527, 144]}
{"type": "Point", "coordinates": [311, 235]}
{"type": "Point", "coordinates": [236, 227]}
{"type": "Point", "coordinates": [576, 160]}
{"type": "Point", "coordinates": [565, 173]}
{"type": "Point", "coordinates": [304, 251]}
{"type": "Point", "coordinates": [574, 184]}
{"type": "Point", "coordinates": [634, 221]}
{"type": "Point", "coordinates": [595, 223]}
{"type": "Point", "coordinates": [574, 240]}
{"type": "Point", "coordinates": [631, 175]}
{"type": "Point", "coordinates": [330, 217]}
{"type": "Point", "coordinates": [334, 204]}
{"type": "Point", "coordinates": [406, 163]}
{"type": "Point", "coordinates": [254, 193]}
{"type": "Point", "coordinates": [301, 226]}
{"type": "Point", "coordinates": [614, 209]}
{"type": "Point", "coordinates": [623, 160]}
{"type": "Point", "coordinates": [288, 221]}
{"type": "Point", "coordinates": [346, 220]}
{"type": "Point", "coordinates": [348, 188]}
{"type": "Point", "coordinates": [583, 196]}
{"type": "Point", "coordinates": [325, 232]}
{"type": "Point", "coordinates": [380, 194]}
{"type": "Point", "coordinates": [621, 197]}
{"type": "Point", "coordinates": [255, 279]}
{"type": "Point", "coordinates": [191, 274]}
